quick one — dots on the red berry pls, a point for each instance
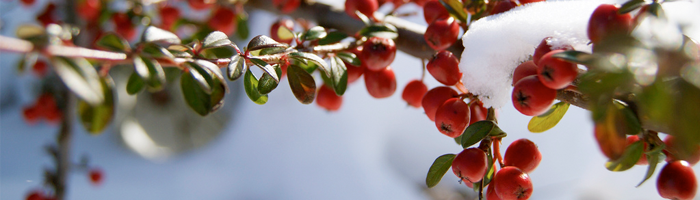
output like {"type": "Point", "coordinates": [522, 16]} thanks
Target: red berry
{"type": "Point", "coordinates": [445, 68]}
{"type": "Point", "coordinates": [327, 99]}
{"type": "Point", "coordinates": [677, 181]}
{"type": "Point", "coordinates": [503, 6]}
{"type": "Point", "coordinates": [606, 21]}
{"type": "Point", "coordinates": [434, 98]}
{"type": "Point", "coordinates": [554, 72]}
{"type": "Point", "coordinates": [168, 16]}
{"type": "Point", "coordinates": [523, 154]}
{"type": "Point", "coordinates": [123, 25]}
{"type": "Point", "coordinates": [275, 30]}
{"type": "Point", "coordinates": [200, 4]}
{"type": "Point", "coordinates": [36, 195]}
{"type": "Point", "coordinates": [413, 93]}
{"type": "Point", "coordinates": [53, 116]}
{"type": "Point", "coordinates": [28, 2]}
{"type": "Point", "coordinates": [612, 143]}
{"type": "Point", "coordinates": [675, 150]}
{"type": "Point", "coordinates": [491, 192]}
{"type": "Point", "coordinates": [452, 117]}
{"type": "Point", "coordinates": [380, 84]}
{"type": "Point", "coordinates": [511, 183]}
{"type": "Point", "coordinates": [523, 70]}
{"type": "Point", "coordinates": [378, 53]}
{"type": "Point", "coordinates": [531, 97]}
{"type": "Point", "coordinates": [89, 9]}
{"type": "Point", "coordinates": [643, 158]}
{"type": "Point", "coordinates": [96, 176]}
{"type": "Point", "coordinates": [470, 165]}
{"type": "Point", "coordinates": [354, 72]}
{"type": "Point", "coordinates": [286, 6]}
{"type": "Point", "coordinates": [31, 114]}
{"type": "Point", "coordinates": [544, 48]}
{"type": "Point", "coordinates": [40, 68]}
{"type": "Point", "coordinates": [47, 16]}
{"type": "Point", "coordinates": [223, 20]}
{"type": "Point", "coordinates": [441, 33]}
{"type": "Point", "coordinates": [434, 10]}
{"type": "Point", "coordinates": [478, 112]}
{"type": "Point", "coordinates": [523, 2]}
{"type": "Point", "coordinates": [366, 7]}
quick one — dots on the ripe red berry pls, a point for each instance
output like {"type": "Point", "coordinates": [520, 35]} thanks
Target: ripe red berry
{"type": "Point", "coordinates": [354, 72]}
{"type": "Point", "coordinates": [554, 72]}
{"type": "Point", "coordinates": [327, 99]}
{"type": "Point", "coordinates": [643, 158]}
{"type": "Point", "coordinates": [200, 4]}
{"type": "Point", "coordinates": [434, 98]}
{"type": "Point", "coordinates": [223, 19]}
{"type": "Point", "coordinates": [413, 93]}
{"type": "Point", "coordinates": [31, 114]}
{"type": "Point", "coordinates": [606, 21]}
{"type": "Point", "coordinates": [478, 112]}
{"type": "Point", "coordinates": [503, 6]}
{"type": "Point", "coordinates": [452, 117]}
{"type": "Point", "coordinates": [523, 70]}
{"type": "Point", "coordinates": [441, 33]}
{"type": "Point", "coordinates": [523, 154]}
{"type": "Point", "coordinates": [511, 183]}
{"type": "Point", "coordinates": [40, 68]}
{"type": "Point", "coordinates": [491, 192]}
{"type": "Point", "coordinates": [124, 26]}
{"type": "Point", "coordinates": [28, 2]}
{"type": "Point", "coordinates": [378, 53]}
{"type": "Point", "coordinates": [89, 9]}
{"type": "Point", "coordinates": [676, 151]}
{"type": "Point", "coordinates": [47, 16]}
{"type": "Point", "coordinates": [366, 7]}
{"type": "Point", "coordinates": [544, 48]}
{"type": "Point", "coordinates": [531, 97]}
{"type": "Point", "coordinates": [470, 165]}
{"type": "Point", "coordinates": [420, 3]}
{"type": "Point", "coordinates": [96, 176]}
{"type": "Point", "coordinates": [612, 143]}
{"type": "Point", "coordinates": [677, 181]}
{"type": "Point", "coordinates": [280, 35]}
{"type": "Point", "coordinates": [168, 16]}
{"type": "Point", "coordinates": [380, 84]}
{"type": "Point", "coordinates": [35, 195]}
{"type": "Point", "coordinates": [523, 2]}
{"type": "Point", "coordinates": [444, 67]}
{"type": "Point", "coordinates": [286, 6]}
{"type": "Point", "coordinates": [434, 10]}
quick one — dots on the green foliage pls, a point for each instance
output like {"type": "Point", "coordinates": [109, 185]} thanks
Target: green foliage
{"type": "Point", "coordinates": [478, 131]}
{"type": "Point", "coordinates": [629, 158]}
{"type": "Point", "coordinates": [302, 84]}
{"type": "Point", "coordinates": [549, 119]}
{"type": "Point", "coordinates": [438, 169]}
{"type": "Point", "coordinates": [315, 33]}
{"type": "Point", "coordinates": [113, 42]}
{"type": "Point", "coordinates": [456, 9]}
{"type": "Point", "coordinates": [95, 118]}
{"type": "Point", "coordinates": [250, 83]}
{"type": "Point", "coordinates": [81, 78]}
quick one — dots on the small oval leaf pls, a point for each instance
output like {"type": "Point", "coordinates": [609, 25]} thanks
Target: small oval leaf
{"type": "Point", "coordinates": [314, 59]}
{"type": "Point", "coordinates": [349, 58]}
{"type": "Point", "coordinates": [477, 131]}
{"type": "Point", "coordinates": [80, 77]}
{"type": "Point", "coordinates": [113, 42]}
{"type": "Point", "coordinates": [438, 169]}
{"type": "Point", "coordinates": [157, 35]}
{"type": "Point", "coordinates": [339, 75]}
{"type": "Point", "coordinates": [135, 84]}
{"type": "Point", "coordinates": [315, 33]}
{"type": "Point", "coordinates": [380, 30]}
{"type": "Point", "coordinates": [549, 119]}
{"type": "Point", "coordinates": [195, 97]}
{"type": "Point", "coordinates": [266, 84]}
{"type": "Point", "coordinates": [250, 84]}
{"type": "Point", "coordinates": [629, 158]}
{"type": "Point", "coordinates": [302, 84]}
{"type": "Point", "coordinates": [236, 67]}
{"type": "Point", "coordinates": [216, 39]}
{"type": "Point", "coordinates": [331, 38]}
{"type": "Point", "coordinates": [578, 57]}
{"type": "Point", "coordinates": [95, 118]}
{"type": "Point", "coordinates": [262, 41]}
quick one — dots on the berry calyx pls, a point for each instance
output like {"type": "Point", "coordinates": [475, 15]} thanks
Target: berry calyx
{"type": "Point", "coordinates": [676, 151]}
{"type": "Point", "coordinates": [434, 99]}
{"type": "Point", "coordinates": [452, 117]}
{"type": "Point", "coordinates": [523, 154]}
{"type": "Point", "coordinates": [200, 4]}
{"type": "Point", "coordinates": [278, 32]}
{"type": "Point", "coordinates": [442, 33]}
{"type": "Point", "coordinates": [327, 99]}
{"type": "Point", "coordinates": [554, 72]}
{"type": "Point", "coordinates": [413, 93]}
{"type": "Point", "coordinates": [378, 53]}
{"type": "Point", "coordinates": [531, 97]}
{"type": "Point", "coordinates": [503, 6]}
{"type": "Point", "coordinates": [444, 67]}
{"type": "Point", "coordinates": [523, 70]}
{"type": "Point", "coordinates": [433, 10]}
{"type": "Point", "coordinates": [96, 176]}
{"type": "Point", "coordinates": [224, 20]}
{"type": "Point", "coordinates": [511, 183]}
{"type": "Point", "coordinates": [606, 21]}
{"type": "Point", "coordinates": [366, 7]}
{"type": "Point", "coordinates": [677, 181]}
{"type": "Point", "coordinates": [470, 165]}
{"type": "Point", "coordinates": [544, 48]}
{"type": "Point", "coordinates": [286, 6]}
{"type": "Point", "coordinates": [380, 84]}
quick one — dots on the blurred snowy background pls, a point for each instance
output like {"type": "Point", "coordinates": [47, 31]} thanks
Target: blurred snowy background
{"type": "Point", "coordinates": [370, 149]}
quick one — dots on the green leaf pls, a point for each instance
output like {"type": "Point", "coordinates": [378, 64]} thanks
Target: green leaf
{"type": "Point", "coordinates": [95, 118]}
{"type": "Point", "coordinates": [630, 6]}
{"type": "Point", "coordinates": [314, 59]}
{"type": "Point", "coordinates": [477, 131]}
{"type": "Point", "coordinates": [315, 33]}
{"type": "Point", "coordinates": [216, 39]}
{"type": "Point", "coordinates": [242, 30]}
{"type": "Point", "coordinates": [155, 51]}
{"type": "Point", "coordinates": [349, 58]}
{"type": "Point", "coordinates": [629, 158]}
{"type": "Point", "coordinates": [113, 42]}
{"type": "Point", "coordinates": [194, 95]}
{"type": "Point", "coordinates": [212, 69]}
{"type": "Point", "coordinates": [578, 57]}
{"type": "Point", "coordinates": [81, 78]}
{"type": "Point", "coordinates": [363, 17]}
{"type": "Point", "coordinates": [250, 84]}
{"type": "Point", "coordinates": [274, 50]}
{"type": "Point", "coordinates": [135, 84]}
{"type": "Point", "coordinates": [628, 119]}
{"type": "Point", "coordinates": [339, 75]}
{"type": "Point", "coordinates": [268, 69]}
{"type": "Point", "coordinates": [302, 84]}
{"type": "Point", "coordinates": [201, 77]}
{"type": "Point", "coordinates": [438, 169]}
{"type": "Point", "coordinates": [266, 84]}
{"type": "Point", "coordinates": [380, 30]}
{"type": "Point", "coordinates": [331, 38]}
{"type": "Point", "coordinates": [656, 10]}
{"type": "Point", "coordinates": [455, 8]}
{"type": "Point", "coordinates": [262, 41]}
{"type": "Point", "coordinates": [28, 60]}
{"type": "Point", "coordinates": [236, 67]}
{"type": "Point", "coordinates": [181, 51]}
{"type": "Point", "coordinates": [218, 52]}
{"type": "Point", "coordinates": [653, 158]}
{"type": "Point", "coordinates": [157, 35]}
{"type": "Point", "coordinates": [549, 119]}
{"type": "Point", "coordinates": [150, 71]}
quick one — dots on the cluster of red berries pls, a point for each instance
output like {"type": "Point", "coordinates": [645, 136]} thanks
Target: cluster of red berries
{"type": "Point", "coordinates": [45, 107]}
{"type": "Point", "coordinates": [535, 82]}
{"type": "Point", "coordinates": [443, 30]}
{"type": "Point", "coordinates": [511, 182]}
{"type": "Point", "coordinates": [39, 195]}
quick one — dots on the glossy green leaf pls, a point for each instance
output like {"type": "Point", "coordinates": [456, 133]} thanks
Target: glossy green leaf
{"type": "Point", "coordinates": [630, 6]}
{"type": "Point", "coordinates": [629, 158]}
{"type": "Point", "coordinates": [578, 57]}
{"type": "Point", "coordinates": [135, 84]}
{"type": "Point", "coordinates": [262, 41]}
{"type": "Point", "coordinates": [216, 39]}
{"type": "Point", "coordinates": [477, 131]}
{"type": "Point", "coordinates": [314, 59]}
{"type": "Point", "coordinates": [656, 10]}
{"type": "Point", "coordinates": [157, 35]}
{"type": "Point", "coordinates": [363, 18]}
{"type": "Point", "coordinates": [455, 8]}
{"type": "Point", "coordinates": [331, 38]}
{"type": "Point", "coordinates": [236, 67]}
{"type": "Point", "coordinates": [81, 78]}
{"type": "Point", "coordinates": [349, 58]}
{"type": "Point", "coordinates": [339, 75]}
{"type": "Point", "coordinates": [181, 51]}
{"type": "Point", "coordinates": [95, 118]}
{"type": "Point", "coordinates": [268, 69]}
{"type": "Point", "coordinates": [549, 119]}
{"type": "Point", "coordinates": [302, 84]}
{"type": "Point", "coordinates": [250, 83]}
{"type": "Point", "coordinates": [226, 51]}
{"type": "Point", "coordinates": [438, 169]}
{"type": "Point", "coordinates": [113, 42]}
{"type": "Point", "coordinates": [266, 84]}
{"type": "Point", "coordinates": [156, 51]}
{"type": "Point", "coordinates": [628, 118]}
{"type": "Point", "coordinates": [242, 29]}
{"type": "Point", "coordinates": [653, 158]}
{"type": "Point", "coordinates": [315, 33]}
{"type": "Point", "coordinates": [380, 30]}
{"type": "Point", "coordinates": [194, 95]}
{"type": "Point", "coordinates": [201, 76]}
{"type": "Point", "coordinates": [274, 50]}
{"type": "Point", "coordinates": [150, 71]}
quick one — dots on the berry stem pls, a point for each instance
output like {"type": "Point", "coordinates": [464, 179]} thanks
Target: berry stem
{"type": "Point", "coordinates": [497, 151]}
{"type": "Point", "coordinates": [422, 76]}
{"type": "Point", "coordinates": [461, 88]}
